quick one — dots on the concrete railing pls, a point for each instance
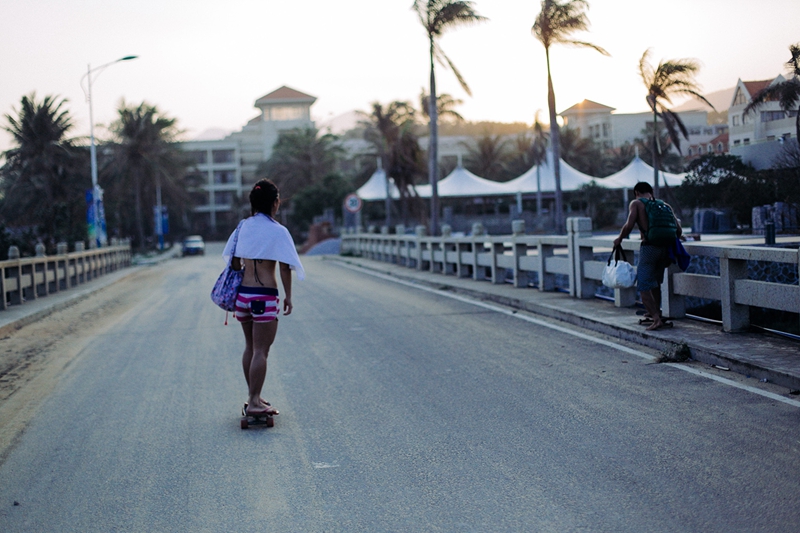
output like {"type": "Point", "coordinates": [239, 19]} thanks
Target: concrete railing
{"type": "Point", "coordinates": [568, 262]}
{"type": "Point", "coordinates": [29, 278]}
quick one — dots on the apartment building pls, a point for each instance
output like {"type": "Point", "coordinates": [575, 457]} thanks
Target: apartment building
{"type": "Point", "coordinates": [611, 130]}
{"type": "Point", "coordinates": [225, 169]}
{"type": "Point", "coordinates": [759, 137]}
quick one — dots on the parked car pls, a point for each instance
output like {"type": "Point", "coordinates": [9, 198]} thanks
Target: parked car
{"type": "Point", "coordinates": [193, 245]}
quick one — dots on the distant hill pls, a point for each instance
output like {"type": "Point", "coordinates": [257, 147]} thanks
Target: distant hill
{"type": "Point", "coordinates": [719, 99]}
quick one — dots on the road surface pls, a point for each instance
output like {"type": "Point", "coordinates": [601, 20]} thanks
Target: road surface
{"type": "Point", "coordinates": [401, 410]}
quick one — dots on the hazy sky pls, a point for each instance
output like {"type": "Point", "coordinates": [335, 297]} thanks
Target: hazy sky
{"type": "Point", "coordinates": [206, 62]}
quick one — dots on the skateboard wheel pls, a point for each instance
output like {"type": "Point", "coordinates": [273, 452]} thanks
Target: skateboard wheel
{"type": "Point", "coordinates": [244, 423]}
{"type": "Point", "coordinates": [270, 422]}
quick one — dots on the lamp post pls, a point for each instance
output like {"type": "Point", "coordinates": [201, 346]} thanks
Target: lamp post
{"type": "Point", "coordinates": [100, 238]}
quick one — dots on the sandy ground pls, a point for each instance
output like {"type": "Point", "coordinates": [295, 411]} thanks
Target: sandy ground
{"type": "Point", "coordinates": [33, 357]}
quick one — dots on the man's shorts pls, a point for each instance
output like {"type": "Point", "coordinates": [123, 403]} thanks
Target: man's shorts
{"type": "Point", "coordinates": [650, 270]}
{"type": "Point", "coordinates": [259, 304]}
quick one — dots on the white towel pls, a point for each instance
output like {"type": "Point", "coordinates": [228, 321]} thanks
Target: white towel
{"type": "Point", "coordinates": [261, 237]}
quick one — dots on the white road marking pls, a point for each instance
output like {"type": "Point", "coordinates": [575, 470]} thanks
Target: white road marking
{"type": "Point", "coordinates": [568, 331]}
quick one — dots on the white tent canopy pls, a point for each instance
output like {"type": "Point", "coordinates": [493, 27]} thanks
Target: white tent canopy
{"type": "Point", "coordinates": [462, 182]}
{"type": "Point", "coordinates": [636, 171]}
{"type": "Point", "coordinates": [375, 187]}
{"type": "Point", "coordinates": [571, 179]}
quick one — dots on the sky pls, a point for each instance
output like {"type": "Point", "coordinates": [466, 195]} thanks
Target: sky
{"type": "Point", "coordinates": [206, 62]}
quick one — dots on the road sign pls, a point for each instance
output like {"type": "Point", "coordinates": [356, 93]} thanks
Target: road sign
{"type": "Point", "coordinates": [352, 203]}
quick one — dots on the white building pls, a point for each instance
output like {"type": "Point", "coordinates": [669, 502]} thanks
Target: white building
{"type": "Point", "coordinates": [598, 122]}
{"type": "Point", "coordinates": [225, 169]}
{"type": "Point", "coordinates": [759, 137]}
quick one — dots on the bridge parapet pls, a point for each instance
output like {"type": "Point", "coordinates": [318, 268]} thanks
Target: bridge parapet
{"type": "Point", "coordinates": [568, 263]}
{"type": "Point", "coordinates": [30, 278]}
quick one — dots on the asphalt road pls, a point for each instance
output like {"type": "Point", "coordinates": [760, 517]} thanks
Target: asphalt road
{"type": "Point", "coordinates": [401, 410]}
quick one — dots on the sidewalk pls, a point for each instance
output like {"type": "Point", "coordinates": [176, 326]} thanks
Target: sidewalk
{"type": "Point", "coordinates": [17, 316]}
{"type": "Point", "coordinates": [757, 355]}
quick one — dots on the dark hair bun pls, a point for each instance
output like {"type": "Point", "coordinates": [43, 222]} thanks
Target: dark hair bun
{"type": "Point", "coordinates": [263, 196]}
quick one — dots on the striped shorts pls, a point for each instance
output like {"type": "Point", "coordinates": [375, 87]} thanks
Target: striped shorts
{"type": "Point", "coordinates": [259, 304]}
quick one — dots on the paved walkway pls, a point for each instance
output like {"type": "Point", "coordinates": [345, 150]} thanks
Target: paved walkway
{"type": "Point", "coordinates": [17, 316]}
{"type": "Point", "coordinates": [757, 355]}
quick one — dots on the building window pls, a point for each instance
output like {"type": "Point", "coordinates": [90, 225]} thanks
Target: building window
{"type": "Point", "coordinates": [224, 176]}
{"type": "Point", "coordinates": [746, 140]}
{"type": "Point", "coordinates": [735, 120]}
{"type": "Point", "coordinates": [198, 157]}
{"type": "Point", "coordinates": [740, 99]}
{"type": "Point", "coordinates": [769, 116]}
{"type": "Point", "coordinates": [737, 142]}
{"type": "Point", "coordinates": [770, 137]}
{"type": "Point", "coordinates": [690, 152]}
{"type": "Point", "coordinates": [223, 198]}
{"type": "Point", "coordinates": [289, 112]}
{"type": "Point", "coordinates": [606, 129]}
{"type": "Point", "coordinates": [222, 156]}
{"type": "Point", "coordinates": [699, 150]}
{"type": "Point", "coordinates": [719, 148]}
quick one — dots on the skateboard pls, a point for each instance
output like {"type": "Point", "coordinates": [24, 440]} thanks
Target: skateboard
{"type": "Point", "coordinates": [255, 420]}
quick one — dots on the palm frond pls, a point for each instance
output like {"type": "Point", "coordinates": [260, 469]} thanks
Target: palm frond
{"type": "Point", "coordinates": [794, 63]}
{"type": "Point", "coordinates": [584, 44]}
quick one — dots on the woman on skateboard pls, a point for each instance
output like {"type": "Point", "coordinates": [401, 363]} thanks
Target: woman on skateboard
{"type": "Point", "coordinates": [263, 244]}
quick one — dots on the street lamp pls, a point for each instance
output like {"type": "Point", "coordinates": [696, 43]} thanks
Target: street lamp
{"type": "Point", "coordinates": [100, 237]}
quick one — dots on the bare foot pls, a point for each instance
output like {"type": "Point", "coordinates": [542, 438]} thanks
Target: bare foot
{"type": "Point", "coordinates": [657, 324]}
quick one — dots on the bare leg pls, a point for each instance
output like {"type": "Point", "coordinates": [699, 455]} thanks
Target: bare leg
{"type": "Point", "coordinates": [263, 335]}
{"type": "Point", "coordinates": [247, 356]}
{"type": "Point", "coordinates": [651, 305]}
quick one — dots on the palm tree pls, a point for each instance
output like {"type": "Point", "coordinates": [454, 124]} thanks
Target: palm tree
{"type": "Point", "coordinates": [787, 92]}
{"type": "Point", "coordinates": [445, 106]}
{"type": "Point", "coordinates": [487, 156]}
{"type": "Point", "coordinates": [300, 158]}
{"type": "Point", "coordinates": [554, 25]}
{"type": "Point", "coordinates": [670, 78]}
{"type": "Point", "coordinates": [42, 181]}
{"type": "Point", "coordinates": [436, 17]}
{"type": "Point", "coordinates": [391, 130]}
{"type": "Point", "coordinates": [383, 128]}
{"type": "Point", "coordinates": [147, 162]}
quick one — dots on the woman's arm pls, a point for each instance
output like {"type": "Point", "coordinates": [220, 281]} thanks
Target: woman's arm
{"type": "Point", "coordinates": [286, 279]}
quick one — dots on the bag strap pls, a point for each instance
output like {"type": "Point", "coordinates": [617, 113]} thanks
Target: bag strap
{"type": "Point", "coordinates": [235, 241]}
{"type": "Point", "coordinates": [617, 254]}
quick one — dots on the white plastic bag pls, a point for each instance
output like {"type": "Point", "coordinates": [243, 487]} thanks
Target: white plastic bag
{"type": "Point", "coordinates": [621, 274]}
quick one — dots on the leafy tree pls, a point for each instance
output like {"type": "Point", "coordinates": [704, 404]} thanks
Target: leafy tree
{"type": "Point", "coordinates": [670, 78]}
{"type": "Point", "coordinates": [301, 158]}
{"type": "Point", "coordinates": [437, 16]}
{"type": "Point", "coordinates": [486, 156]}
{"type": "Point", "coordinates": [311, 201]}
{"type": "Point", "coordinates": [45, 177]}
{"type": "Point", "coordinates": [601, 204]}
{"type": "Point", "coordinates": [786, 92]}
{"type": "Point", "coordinates": [145, 160]}
{"type": "Point", "coordinates": [723, 181]}
{"type": "Point", "coordinates": [556, 22]}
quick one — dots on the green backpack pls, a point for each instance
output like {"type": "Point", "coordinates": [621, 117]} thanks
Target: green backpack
{"type": "Point", "coordinates": [662, 229]}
